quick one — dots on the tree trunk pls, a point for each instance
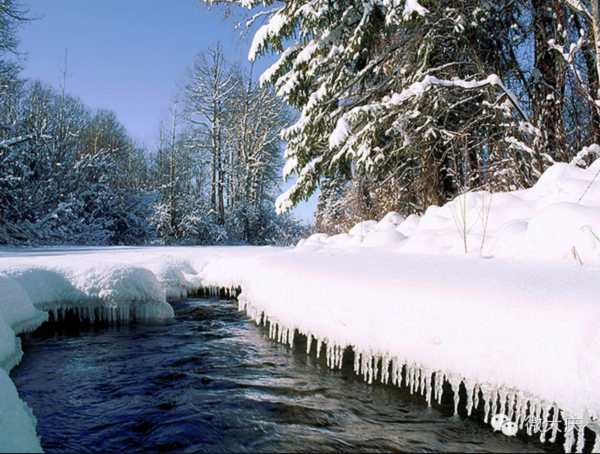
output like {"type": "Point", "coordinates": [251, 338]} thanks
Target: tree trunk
{"type": "Point", "coordinates": [548, 89]}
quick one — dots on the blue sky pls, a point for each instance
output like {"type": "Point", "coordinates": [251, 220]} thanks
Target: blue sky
{"type": "Point", "coordinates": [128, 55]}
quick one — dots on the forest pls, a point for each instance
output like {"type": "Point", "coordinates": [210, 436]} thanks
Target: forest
{"type": "Point", "coordinates": [407, 104]}
{"type": "Point", "coordinates": [72, 175]}
{"type": "Point", "coordinates": [382, 105]}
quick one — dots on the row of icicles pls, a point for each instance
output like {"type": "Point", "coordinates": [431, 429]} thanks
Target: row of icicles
{"type": "Point", "coordinates": [527, 411]}
{"type": "Point", "coordinates": [104, 314]}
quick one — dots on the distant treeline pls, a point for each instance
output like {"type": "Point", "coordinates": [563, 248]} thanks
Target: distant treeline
{"type": "Point", "coordinates": [70, 175]}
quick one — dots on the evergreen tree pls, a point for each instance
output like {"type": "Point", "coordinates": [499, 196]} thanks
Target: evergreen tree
{"type": "Point", "coordinates": [401, 90]}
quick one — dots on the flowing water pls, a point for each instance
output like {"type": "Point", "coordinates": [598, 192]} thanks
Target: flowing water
{"type": "Point", "coordinates": [212, 381]}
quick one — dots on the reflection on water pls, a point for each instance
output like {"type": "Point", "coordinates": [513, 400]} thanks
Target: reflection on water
{"type": "Point", "coordinates": [212, 381]}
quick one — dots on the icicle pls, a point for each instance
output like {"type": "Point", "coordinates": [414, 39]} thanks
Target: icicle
{"type": "Point", "coordinates": [494, 401]}
{"type": "Point", "coordinates": [530, 418]}
{"type": "Point", "coordinates": [394, 372]}
{"type": "Point", "coordinates": [385, 369]}
{"type": "Point", "coordinates": [439, 386]}
{"type": "Point", "coordinates": [421, 382]}
{"type": "Point", "coordinates": [554, 423]}
{"type": "Point", "coordinates": [511, 405]}
{"type": "Point", "coordinates": [399, 367]}
{"type": "Point", "coordinates": [375, 367]}
{"type": "Point", "coordinates": [487, 397]}
{"type": "Point", "coordinates": [524, 409]}
{"type": "Point", "coordinates": [544, 422]}
{"type": "Point", "coordinates": [519, 402]}
{"type": "Point", "coordinates": [411, 378]}
{"type": "Point", "coordinates": [476, 396]}
{"type": "Point", "coordinates": [569, 438]}
{"type": "Point", "coordinates": [583, 421]}
{"type": "Point", "coordinates": [537, 410]}
{"type": "Point", "coordinates": [502, 395]}
{"type": "Point", "coordinates": [470, 387]}
{"type": "Point", "coordinates": [356, 361]}
{"type": "Point", "coordinates": [260, 316]}
{"type": "Point", "coordinates": [428, 391]}
{"type": "Point", "coordinates": [455, 381]}
{"type": "Point", "coordinates": [309, 339]}
{"type": "Point", "coordinates": [363, 365]}
{"type": "Point", "coordinates": [319, 345]}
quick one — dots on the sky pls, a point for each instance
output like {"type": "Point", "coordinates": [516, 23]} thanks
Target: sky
{"type": "Point", "coordinates": [129, 56]}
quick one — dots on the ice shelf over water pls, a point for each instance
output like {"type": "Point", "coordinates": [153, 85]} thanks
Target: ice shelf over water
{"type": "Point", "coordinates": [498, 293]}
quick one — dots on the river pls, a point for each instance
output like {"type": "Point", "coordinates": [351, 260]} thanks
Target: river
{"type": "Point", "coordinates": [212, 381]}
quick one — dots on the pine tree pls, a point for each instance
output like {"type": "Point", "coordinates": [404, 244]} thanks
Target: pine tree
{"type": "Point", "coordinates": [399, 90]}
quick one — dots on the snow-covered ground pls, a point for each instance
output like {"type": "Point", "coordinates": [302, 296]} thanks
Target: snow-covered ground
{"type": "Point", "coordinates": [499, 292]}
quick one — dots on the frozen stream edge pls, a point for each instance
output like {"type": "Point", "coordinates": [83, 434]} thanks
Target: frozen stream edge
{"type": "Point", "coordinates": [142, 301]}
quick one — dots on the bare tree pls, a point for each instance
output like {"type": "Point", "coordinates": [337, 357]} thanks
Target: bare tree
{"type": "Point", "coordinates": [209, 92]}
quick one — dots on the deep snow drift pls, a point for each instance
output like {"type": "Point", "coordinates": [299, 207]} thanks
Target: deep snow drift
{"type": "Point", "coordinates": [499, 292]}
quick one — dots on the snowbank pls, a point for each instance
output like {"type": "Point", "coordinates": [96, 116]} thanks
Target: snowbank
{"type": "Point", "coordinates": [17, 315]}
{"type": "Point", "coordinates": [497, 292]}
{"type": "Point", "coordinates": [558, 219]}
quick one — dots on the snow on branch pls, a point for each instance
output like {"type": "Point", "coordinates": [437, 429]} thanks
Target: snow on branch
{"type": "Point", "coordinates": [262, 35]}
{"type": "Point", "coordinates": [419, 88]}
{"type": "Point", "coordinates": [16, 140]}
{"type": "Point", "coordinates": [343, 129]}
{"type": "Point", "coordinates": [592, 150]}
{"type": "Point", "coordinates": [284, 202]}
{"type": "Point", "coordinates": [413, 6]}
{"type": "Point", "coordinates": [579, 7]}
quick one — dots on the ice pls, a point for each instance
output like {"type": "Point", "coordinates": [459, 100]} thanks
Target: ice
{"type": "Point", "coordinates": [16, 307]}
{"type": "Point", "coordinates": [17, 423]}
{"type": "Point", "coordinates": [455, 381]}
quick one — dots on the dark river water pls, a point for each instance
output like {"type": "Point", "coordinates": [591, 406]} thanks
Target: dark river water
{"type": "Point", "coordinates": [212, 381]}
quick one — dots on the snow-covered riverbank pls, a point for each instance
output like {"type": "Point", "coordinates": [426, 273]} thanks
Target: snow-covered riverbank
{"type": "Point", "coordinates": [497, 291]}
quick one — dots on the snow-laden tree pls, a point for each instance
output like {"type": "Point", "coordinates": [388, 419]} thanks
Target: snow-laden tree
{"type": "Point", "coordinates": [235, 129]}
{"type": "Point", "coordinates": [181, 213]}
{"type": "Point", "coordinates": [567, 43]}
{"type": "Point", "coordinates": [332, 215]}
{"type": "Point", "coordinates": [209, 93]}
{"type": "Point", "coordinates": [404, 90]}
{"type": "Point", "coordinates": [255, 118]}
{"type": "Point", "coordinates": [68, 182]}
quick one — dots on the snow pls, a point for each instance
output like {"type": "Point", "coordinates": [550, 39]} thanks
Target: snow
{"type": "Point", "coordinates": [418, 89]}
{"type": "Point", "coordinates": [413, 6]}
{"type": "Point", "coordinates": [272, 27]}
{"type": "Point", "coordinates": [497, 291]}
{"type": "Point", "coordinates": [17, 423]}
